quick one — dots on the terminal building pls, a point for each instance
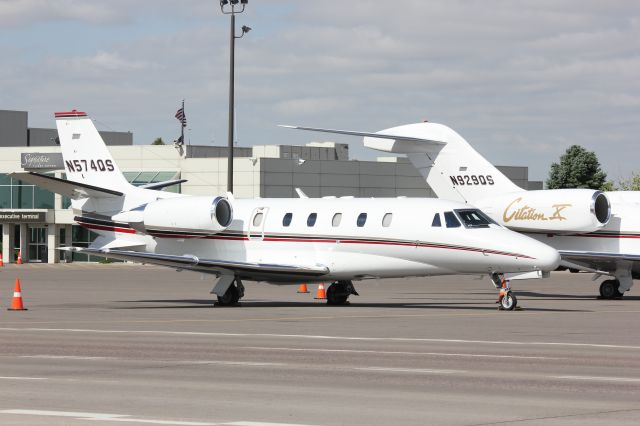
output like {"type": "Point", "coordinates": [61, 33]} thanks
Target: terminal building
{"type": "Point", "coordinates": [35, 221]}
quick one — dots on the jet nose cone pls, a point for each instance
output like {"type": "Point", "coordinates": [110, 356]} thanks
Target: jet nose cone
{"type": "Point", "coordinates": [547, 258]}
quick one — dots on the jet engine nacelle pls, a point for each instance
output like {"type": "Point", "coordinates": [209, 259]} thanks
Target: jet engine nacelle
{"type": "Point", "coordinates": [551, 210]}
{"type": "Point", "coordinates": [196, 213]}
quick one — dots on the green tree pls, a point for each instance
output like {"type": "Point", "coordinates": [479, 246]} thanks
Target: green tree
{"type": "Point", "coordinates": [158, 141]}
{"type": "Point", "coordinates": [578, 168]}
{"type": "Point", "coordinates": [629, 184]}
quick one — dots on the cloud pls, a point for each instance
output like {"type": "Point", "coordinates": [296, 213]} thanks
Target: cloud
{"type": "Point", "coordinates": [518, 79]}
{"type": "Point", "coordinates": [23, 12]}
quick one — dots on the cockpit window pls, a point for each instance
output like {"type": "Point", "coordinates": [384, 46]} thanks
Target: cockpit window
{"type": "Point", "coordinates": [473, 218]}
{"type": "Point", "coordinates": [451, 220]}
{"type": "Point", "coordinates": [436, 220]}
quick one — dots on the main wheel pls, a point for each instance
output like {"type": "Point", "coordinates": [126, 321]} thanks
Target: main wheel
{"type": "Point", "coordinates": [508, 302]}
{"type": "Point", "coordinates": [230, 297]}
{"type": "Point", "coordinates": [609, 289]}
{"type": "Point", "coordinates": [337, 294]}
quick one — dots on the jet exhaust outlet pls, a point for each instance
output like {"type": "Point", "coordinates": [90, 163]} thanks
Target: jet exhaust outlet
{"type": "Point", "coordinates": [601, 208]}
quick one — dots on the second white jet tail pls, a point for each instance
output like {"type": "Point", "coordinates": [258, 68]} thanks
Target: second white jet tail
{"type": "Point", "coordinates": [451, 167]}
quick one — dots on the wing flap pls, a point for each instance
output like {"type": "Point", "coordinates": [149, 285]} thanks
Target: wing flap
{"type": "Point", "coordinates": [189, 261]}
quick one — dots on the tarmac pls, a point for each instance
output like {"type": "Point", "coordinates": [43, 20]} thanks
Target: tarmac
{"type": "Point", "coordinates": [121, 343]}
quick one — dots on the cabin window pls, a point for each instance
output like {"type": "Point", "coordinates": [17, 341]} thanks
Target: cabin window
{"type": "Point", "coordinates": [362, 219]}
{"type": "Point", "coordinates": [451, 220]}
{"type": "Point", "coordinates": [286, 220]}
{"type": "Point", "coordinates": [473, 218]}
{"type": "Point", "coordinates": [436, 220]}
{"type": "Point", "coordinates": [386, 220]}
{"type": "Point", "coordinates": [336, 219]}
{"type": "Point", "coordinates": [311, 220]}
{"type": "Point", "coordinates": [257, 219]}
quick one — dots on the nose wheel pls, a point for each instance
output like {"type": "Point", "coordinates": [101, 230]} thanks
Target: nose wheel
{"type": "Point", "coordinates": [507, 301]}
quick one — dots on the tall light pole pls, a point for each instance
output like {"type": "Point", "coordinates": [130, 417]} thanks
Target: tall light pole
{"type": "Point", "coordinates": [231, 7]}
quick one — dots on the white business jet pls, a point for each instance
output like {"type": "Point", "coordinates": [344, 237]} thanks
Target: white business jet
{"type": "Point", "coordinates": [593, 231]}
{"type": "Point", "coordinates": [281, 241]}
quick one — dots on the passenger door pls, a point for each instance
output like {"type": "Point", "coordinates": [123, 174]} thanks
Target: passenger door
{"type": "Point", "coordinates": [256, 225]}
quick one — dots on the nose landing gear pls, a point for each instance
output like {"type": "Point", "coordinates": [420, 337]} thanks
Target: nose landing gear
{"type": "Point", "coordinates": [507, 301]}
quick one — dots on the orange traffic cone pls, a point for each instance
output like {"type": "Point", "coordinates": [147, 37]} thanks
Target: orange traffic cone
{"type": "Point", "coordinates": [320, 294]}
{"type": "Point", "coordinates": [302, 288]}
{"type": "Point", "coordinates": [19, 262]}
{"type": "Point", "coordinates": [16, 303]}
{"type": "Point", "coordinates": [1, 261]}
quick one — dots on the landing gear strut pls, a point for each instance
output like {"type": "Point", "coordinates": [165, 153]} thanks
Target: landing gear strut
{"type": "Point", "coordinates": [610, 289]}
{"type": "Point", "coordinates": [339, 292]}
{"type": "Point", "coordinates": [507, 301]}
{"type": "Point", "coordinates": [233, 294]}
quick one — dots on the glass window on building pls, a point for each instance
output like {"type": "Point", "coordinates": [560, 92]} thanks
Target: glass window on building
{"type": "Point", "coordinates": [15, 194]}
{"type": "Point", "coordinates": [82, 237]}
{"type": "Point", "coordinates": [145, 178]}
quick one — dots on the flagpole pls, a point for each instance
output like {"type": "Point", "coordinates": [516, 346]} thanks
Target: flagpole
{"type": "Point", "coordinates": [182, 123]}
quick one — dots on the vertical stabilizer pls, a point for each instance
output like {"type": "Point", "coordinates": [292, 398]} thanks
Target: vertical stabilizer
{"type": "Point", "coordinates": [86, 157]}
{"type": "Point", "coordinates": [453, 169]}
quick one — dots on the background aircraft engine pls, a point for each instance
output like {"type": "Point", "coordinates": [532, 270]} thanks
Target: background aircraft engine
{"type": "Point", "coordinates": [550, 210]}
{"type": "Point", "coordinates": [198, 214]}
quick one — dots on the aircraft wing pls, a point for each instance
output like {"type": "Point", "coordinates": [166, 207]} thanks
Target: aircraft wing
{"type": "Point", "coordinates": [69, 188]}
{"type": "Point", "coordinates": [597, 261]}
{"type": "Point", "coordinates": [248, 270]}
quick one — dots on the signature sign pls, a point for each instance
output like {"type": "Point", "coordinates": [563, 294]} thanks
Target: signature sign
{"type": "Point", "coordinates": [515, 211]}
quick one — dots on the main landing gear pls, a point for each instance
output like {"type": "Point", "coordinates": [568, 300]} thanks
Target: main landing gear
{"type": "Point", "coordinates": [610, 289]}
{"type": "Point", "coordinates": [616, 288]}
{"type": "Point", "coordinates": [229, 290]}
{"type": "Point", "coordinates": [339, 292]}
{"type": "Point", "coordinates": [507, 301]}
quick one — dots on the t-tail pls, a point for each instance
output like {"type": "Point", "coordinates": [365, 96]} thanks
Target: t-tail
{"type": "Point", "coordinates": [86, 157]}
{"type": "Point", "coordinates": [93, 182]}
{"type": "Point", "coordinates": [450, 166]}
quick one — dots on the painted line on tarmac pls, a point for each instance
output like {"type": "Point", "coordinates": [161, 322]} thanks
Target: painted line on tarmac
{"type": "Point", "coordinates": [598, 378]}
{"type": "Point", "coordinates": [73, 357]}
{"type": "Point", "coordinates": [409, 370]}
{"type": "Point", "coordinates": [107, 417]}
{"type": "Point", "coordinates": [22, 378]}
{"type": "Point", "coordinates": [323, 337]}
{"type": "Point", "coordinates": [240, 363]}
{"type": "Point", "coordinates": [447, 354]}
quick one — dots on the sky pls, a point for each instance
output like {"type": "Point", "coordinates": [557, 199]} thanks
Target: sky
{"type": "Point", "coordinates": [520, 80]}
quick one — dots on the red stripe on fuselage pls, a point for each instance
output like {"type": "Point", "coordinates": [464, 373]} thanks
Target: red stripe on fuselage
{"type": "Point", "coordinates": [107, 228]}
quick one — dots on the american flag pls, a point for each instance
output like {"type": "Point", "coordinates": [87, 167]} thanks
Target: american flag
{"type": "Point", "coordinates": [181, 117]}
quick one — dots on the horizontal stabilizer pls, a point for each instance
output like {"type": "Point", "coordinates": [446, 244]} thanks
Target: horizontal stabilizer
{"type": "Point", "coordinates": [103, 243]}
{"type": "Point", "coordinates": [166, 183]}
{"type": "Point", "coordinates": [384, 140]}
{"type": "Point", "coordinates": [73, 190]}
